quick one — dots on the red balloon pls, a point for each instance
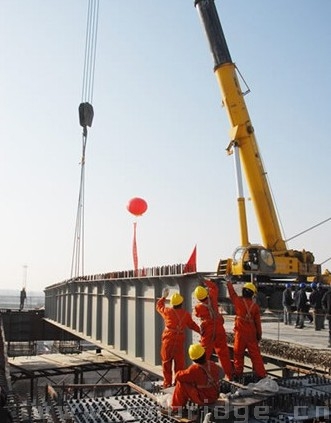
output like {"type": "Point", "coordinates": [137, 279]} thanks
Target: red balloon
{"type": "Point", "coordinates": [137, 206]}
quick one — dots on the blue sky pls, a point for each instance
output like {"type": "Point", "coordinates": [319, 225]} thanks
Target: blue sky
{"type": "Point", "coordinates": [159, 131]}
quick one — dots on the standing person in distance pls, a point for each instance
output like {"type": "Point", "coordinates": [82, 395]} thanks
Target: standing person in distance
{"type": "Point", "coordinates": [176, 320]}
{"type": "Point", "coordinates": [301, 303]}
{"type": "Point", "coordinates": [198, 383]}
{"type": "Point", "coordinates": [326, 304]}
{"type": "Point", "coordinates": [247, 330]}
{"type": "Point", "coordinates": [287, 301]}
{"type": "Point", "coordinates": [315, 301]}
{"type": "Point", "coordinates": [22, 298]}
{"type": "Point", "coordinates": [213, 335]}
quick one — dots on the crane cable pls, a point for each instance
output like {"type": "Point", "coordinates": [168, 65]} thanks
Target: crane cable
{"type": "Point", "coordinates": [309, 229]}
{"type": "Point", "coordinates": [325, 261]}
{"type": "Point", "coordinates": [90, 51]}
{"type": "Point", "coordinates": [86, 114]}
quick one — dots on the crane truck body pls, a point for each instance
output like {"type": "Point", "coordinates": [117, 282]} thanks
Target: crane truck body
{"type": "Point", "coordinates": [270, 264]}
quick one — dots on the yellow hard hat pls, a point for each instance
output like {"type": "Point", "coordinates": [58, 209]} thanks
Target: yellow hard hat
{"type": "Point", "coordinates": [200, 293]}
{"type": "Point", "coordinates": [196, 351]}
{"type": "Point", "coordinates": [251, 287]}
{"type": "Point", "coordinates": [176, 299]}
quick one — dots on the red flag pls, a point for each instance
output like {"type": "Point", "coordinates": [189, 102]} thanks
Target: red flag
{"type": "Point", "coordinates": [191, 265]}
{"type": "Point", "coordinates": [134, 248]}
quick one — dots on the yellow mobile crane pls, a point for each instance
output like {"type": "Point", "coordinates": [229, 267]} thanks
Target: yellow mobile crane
{"type": "Point", "coordinates": [269, 264]}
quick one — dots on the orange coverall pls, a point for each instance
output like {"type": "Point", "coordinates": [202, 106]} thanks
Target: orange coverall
{"type": "Point", "coordinates": [247, 333]}
{"type": "Point", "coordinates": [198, 383]}
{"type": "Point", "coordinates": [213, 335]}
{"type": "Point", "coordinates": [173, 338]}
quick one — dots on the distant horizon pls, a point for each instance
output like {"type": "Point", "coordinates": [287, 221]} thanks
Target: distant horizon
{"type": "Point", "coordinates": [13, 292]}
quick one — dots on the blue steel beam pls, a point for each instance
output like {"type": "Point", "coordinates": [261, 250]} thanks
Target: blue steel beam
{"type": "Point", "coordinates": [119, 313]}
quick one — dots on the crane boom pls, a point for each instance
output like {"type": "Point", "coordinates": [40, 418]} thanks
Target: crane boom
{"type": "Point", "coordinates": [242, 131]}
{"type": "Point", "coordinates": [271, 261]}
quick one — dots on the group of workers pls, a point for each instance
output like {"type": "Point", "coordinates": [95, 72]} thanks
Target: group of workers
{"type": "Point", "coordinates": [319, 300]}
{"type": "Point", "coordinates": [200, 381]}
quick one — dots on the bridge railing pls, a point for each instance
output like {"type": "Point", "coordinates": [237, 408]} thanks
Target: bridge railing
{"type": "Point", "coordinates": [166, 270]}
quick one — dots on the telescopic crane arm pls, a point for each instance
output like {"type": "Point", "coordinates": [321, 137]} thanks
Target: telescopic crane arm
{"type": "Point", "coordinates": [242, 132]}
{"type": "Point", "coordinates": [277, 261]}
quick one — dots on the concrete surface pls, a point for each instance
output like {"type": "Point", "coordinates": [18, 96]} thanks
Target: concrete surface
{"type": "Point", "coordinates": [275, 329]}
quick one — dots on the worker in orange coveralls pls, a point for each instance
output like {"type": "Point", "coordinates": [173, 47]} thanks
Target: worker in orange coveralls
{"type": "Point", "coordinates": [247, 330]}
{"type": "Point", "coordinates": [176, 320]}
{"type": "Point", "coordinates": [213, 335]}
{"type": "Point", "coordinates": [198, 383]}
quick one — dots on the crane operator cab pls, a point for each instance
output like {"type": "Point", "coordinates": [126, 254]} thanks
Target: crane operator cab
{"type": "Point", "coordinates": [252, 259]}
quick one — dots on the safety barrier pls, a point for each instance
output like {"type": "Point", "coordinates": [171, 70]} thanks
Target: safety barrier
{"type": "Point", "coordinates": [166, 270]}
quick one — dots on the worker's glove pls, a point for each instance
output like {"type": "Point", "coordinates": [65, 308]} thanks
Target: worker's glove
{"type": "Point", "coordinates": [165, 292]}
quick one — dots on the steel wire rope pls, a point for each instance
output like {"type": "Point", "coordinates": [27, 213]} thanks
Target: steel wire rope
{"type": "Point", "coordinates": [86, 114]}
{"type": "Point", "coordinates": [272, 196]}
{"type": "Point", "coordinates": [281, 224]}
{"type": "Point", "coordinates": [90, 50]}
{"type": "Point", "coordinates": [326, 260]}
{"type": "Point", "coordinates": [275, 204]}
{"type": "Point", "coordinates": [309, 229]}
{"type": "Point", "coordinates": [262, 163]}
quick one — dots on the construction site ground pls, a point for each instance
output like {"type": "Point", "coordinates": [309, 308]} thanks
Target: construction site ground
{"type": "Point", "coordinates": [305, 346]}
{"type": "Point", "coordinates": [274, 329]}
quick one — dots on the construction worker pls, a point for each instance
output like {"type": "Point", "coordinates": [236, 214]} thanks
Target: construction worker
{"type": "Point", "coordinates": [198, 383]}
{"type": "Point", "coordinates": [302, 306]}
{"type": "Point", "coordinates": [326, 304]}
{"type": "Point", "coordinates": [213, 335]}
{"type": "Point", "coordinates": [287, 302]}
{"type": "Point", "coordinates": [247, 330]}
{"type": "Point", "coordinates": [315, 300]}
{"type": "Point", "coordinates": [176, 320]}
{"type": "Point", "coordinates": [22, 298]}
